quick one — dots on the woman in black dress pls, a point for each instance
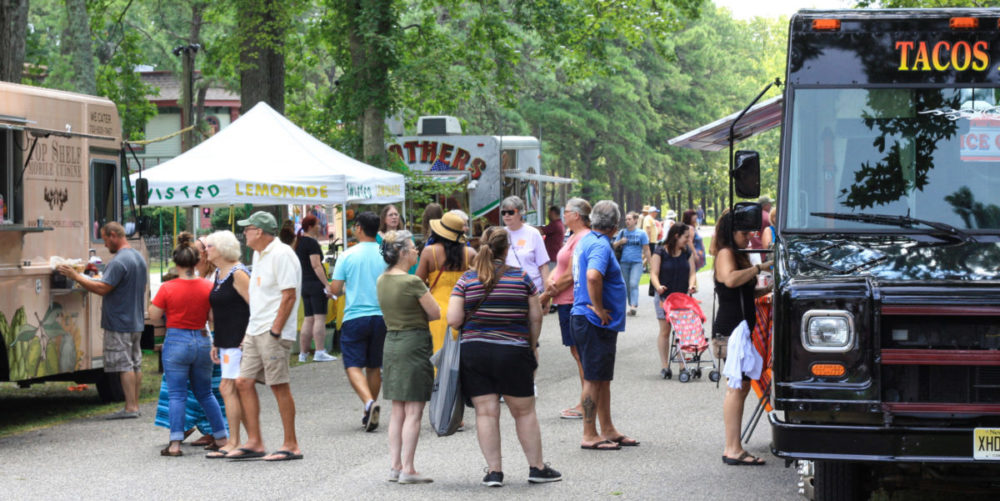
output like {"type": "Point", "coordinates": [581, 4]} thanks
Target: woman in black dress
{"type": "Point", "coordinates": [735, 285]}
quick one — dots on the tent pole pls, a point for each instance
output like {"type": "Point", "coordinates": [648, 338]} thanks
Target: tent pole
{"type": "Point", "coordinates": [343, 217]}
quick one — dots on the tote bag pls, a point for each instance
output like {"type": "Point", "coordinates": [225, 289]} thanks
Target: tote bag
{"type": "Point", "coordinates": [446, 406]}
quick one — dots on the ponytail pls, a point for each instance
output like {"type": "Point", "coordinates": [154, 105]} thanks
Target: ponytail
{"type": "Point", "coordinates": [494, 247]}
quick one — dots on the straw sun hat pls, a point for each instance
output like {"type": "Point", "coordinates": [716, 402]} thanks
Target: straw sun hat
{"type": "Point", "coordinates": [449, 227]}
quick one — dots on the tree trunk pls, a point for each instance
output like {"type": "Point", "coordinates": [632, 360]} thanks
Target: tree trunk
{"type": "Point", "coordinates": [262, 58]}
{"type": "Point", "coordinates": [13, 32]}
{"type": "Point", "coordinates": [78, 47]}
{"type": "Point", "coordinates": [370, 64]}
{"type": "Point", "coordinates": [586, 164]}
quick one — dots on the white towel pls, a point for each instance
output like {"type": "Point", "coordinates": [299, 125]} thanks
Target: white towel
{"type": "Point", "coordinates": [742, 357]}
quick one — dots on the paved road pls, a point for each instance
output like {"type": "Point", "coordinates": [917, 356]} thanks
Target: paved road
{"type": "Point", "coordinates": [680, 426]}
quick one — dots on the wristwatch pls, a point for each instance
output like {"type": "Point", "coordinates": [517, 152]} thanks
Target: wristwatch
{"type": "Point", "coordinates": [274, 334]}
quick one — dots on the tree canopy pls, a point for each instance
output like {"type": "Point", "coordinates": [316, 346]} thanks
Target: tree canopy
{"type": "Point", "coordinates": [603, 84]}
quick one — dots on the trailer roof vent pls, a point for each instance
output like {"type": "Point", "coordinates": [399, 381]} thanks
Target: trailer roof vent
{"type": "Point", "coordinates": [438, 126]}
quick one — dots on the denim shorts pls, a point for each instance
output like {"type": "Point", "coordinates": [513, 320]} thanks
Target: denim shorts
{"type": "Point", "coordinates": [565, 323]}
{"type": "Point", "coordinates": [597, 347]}
{"type": "Point", "coordinates": [361, 342]}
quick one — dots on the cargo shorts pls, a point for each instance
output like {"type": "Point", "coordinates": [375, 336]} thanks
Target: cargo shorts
{"type": "Point", "coordinates": [265, 359]}
{"type": "Point", "coordinates": [122, 352]}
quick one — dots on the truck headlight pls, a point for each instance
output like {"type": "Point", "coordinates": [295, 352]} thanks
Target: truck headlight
{"type": "Point", "coordinates": [828, 331]}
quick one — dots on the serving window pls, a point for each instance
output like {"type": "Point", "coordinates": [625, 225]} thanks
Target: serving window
{"type": "Point", "coordinates": [12, 176]}
{"type": "Point", "coordinates": [105, 196]}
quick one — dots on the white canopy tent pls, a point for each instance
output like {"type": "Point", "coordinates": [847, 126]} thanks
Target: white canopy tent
{"type": "Point", "coordinates": [264, 159]}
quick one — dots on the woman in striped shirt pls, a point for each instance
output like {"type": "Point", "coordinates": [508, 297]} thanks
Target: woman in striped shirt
{"type": "Point", "coordinates": [496, 307]}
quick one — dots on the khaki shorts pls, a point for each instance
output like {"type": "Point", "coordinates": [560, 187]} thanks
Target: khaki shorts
{"type": "Point", "coordinates": [122, 352]}
{"type": "Point", "coordinates": [265, 359]}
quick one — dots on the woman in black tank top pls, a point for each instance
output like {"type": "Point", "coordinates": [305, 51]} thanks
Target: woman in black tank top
{"type": "Point", "coordinates": [230, 300]}
{"type": "Point", "coordinates": [735, 283]}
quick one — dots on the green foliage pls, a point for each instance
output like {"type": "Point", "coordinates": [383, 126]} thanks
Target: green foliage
{"type": "Point", "coordinates": [126, 89]}
{"type": "Point", "coordinates": [164, 216]}
{"type": "Point", "coordinates": [220, 217]}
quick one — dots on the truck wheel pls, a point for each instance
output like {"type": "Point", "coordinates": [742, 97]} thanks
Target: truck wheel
{"type": "Point", "coordinates": [109, 387]}
{"type": "Point", "coordinates": [838, 481]}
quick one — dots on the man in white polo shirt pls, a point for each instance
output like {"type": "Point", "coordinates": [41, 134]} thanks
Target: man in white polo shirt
{"type": "Point", "coordinates": [274, 294]}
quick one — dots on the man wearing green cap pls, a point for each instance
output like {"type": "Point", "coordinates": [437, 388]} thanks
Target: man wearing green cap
{"type": "Point", "coordinates": [274, 294]}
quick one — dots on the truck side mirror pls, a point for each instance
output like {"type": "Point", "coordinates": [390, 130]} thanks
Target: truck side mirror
{"type": "Point", "coordinates": [746, 174]}
{"type": "Point", "coordinates": [143, 224]}
{"type": "Point", "coordinates": [747, 216]}
{"type": "Point", "coordinates": [142, 191]}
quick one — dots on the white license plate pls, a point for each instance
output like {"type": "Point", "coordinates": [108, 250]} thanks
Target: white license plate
{"type": "Point", "coordinates": [986, 444]}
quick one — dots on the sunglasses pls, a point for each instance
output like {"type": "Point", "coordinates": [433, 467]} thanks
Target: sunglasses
{"type": "Point", "coordinates": [508, 212]}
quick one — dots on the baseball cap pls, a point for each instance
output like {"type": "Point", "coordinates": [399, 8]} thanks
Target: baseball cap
{"type": "Point", "coordinates": [263, 220]}
{"type": "Point", "coordinates": [764, 199]}
{"type": "Point", "coordinates": [652, 208]}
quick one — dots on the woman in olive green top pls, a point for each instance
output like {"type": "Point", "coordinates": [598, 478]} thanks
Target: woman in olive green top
{"type": "Point", "coordinates": [407, 374]}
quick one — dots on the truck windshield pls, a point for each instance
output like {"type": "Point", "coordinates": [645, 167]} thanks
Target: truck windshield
{"type": "Point", "coordinates": [932, 154]}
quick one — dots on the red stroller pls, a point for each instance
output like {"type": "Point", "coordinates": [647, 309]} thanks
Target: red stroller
{"type": "Point", "coordinates": [687, 337]}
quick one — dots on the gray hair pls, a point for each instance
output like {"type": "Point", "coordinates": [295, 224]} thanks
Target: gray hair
{"type": "Point", "coordinates": [393, 245]}
{"type": "Point", "coordinates": [460, 213]}
{"type": "Point", "coordinates": [513, 202]}
{"type": "Point", "coordinates": [581, 207]}
{"type": "Point", "coordinates": [605, 216]}
{"type": "Point", "coordinates": [226, 243]}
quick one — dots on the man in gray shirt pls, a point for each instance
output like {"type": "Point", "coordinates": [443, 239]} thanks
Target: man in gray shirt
{"type": "Point", "coordinates": [123, 286]}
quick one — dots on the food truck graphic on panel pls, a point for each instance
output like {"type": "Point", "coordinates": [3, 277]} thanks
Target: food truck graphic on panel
{"type": "Point", "coordinates": [61, 180]}
{"type": "Point", "coordinates": [490, 167]}
{"type": "Point", "coordinates": [886, 322]}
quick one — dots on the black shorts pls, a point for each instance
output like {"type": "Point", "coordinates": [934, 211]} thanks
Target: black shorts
{"type": "Point", "coordinates": [497, 369]}
{"type": "Point", "coordinates": [314, 304]}
{"type": "Point", "coordinates": [597, 347]}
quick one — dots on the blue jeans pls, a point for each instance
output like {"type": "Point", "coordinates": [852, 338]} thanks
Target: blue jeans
{"type": "Point", "coordinates": [187, 357]}
{"type": "Point", "coordinates": [632, 273]}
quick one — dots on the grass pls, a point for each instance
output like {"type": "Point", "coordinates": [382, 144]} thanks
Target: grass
{"type": "Point", "coordinates": [47, 404]}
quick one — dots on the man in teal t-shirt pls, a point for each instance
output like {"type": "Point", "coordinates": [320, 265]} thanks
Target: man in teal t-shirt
{"type": "Point", "coordinates": [362, 332]}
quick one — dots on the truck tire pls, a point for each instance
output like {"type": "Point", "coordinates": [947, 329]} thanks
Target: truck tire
{"type": "Point", "coordinates": [109, 387]}
{"type": "Point", "coordinates": [839, 481]}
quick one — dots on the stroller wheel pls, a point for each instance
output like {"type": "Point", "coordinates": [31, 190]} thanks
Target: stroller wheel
{"type": "Point", "coordinates": [684, 376]}
{"type": "Point", "coordinates": [697, 373]}
{"type": "Point", "coordinates": [667, 373]}
{"type": "Point", "coordinates": [713, 376]}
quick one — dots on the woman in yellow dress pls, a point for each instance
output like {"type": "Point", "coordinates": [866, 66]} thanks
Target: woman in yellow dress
{"type": "Point", "coordinates": [442, 263]}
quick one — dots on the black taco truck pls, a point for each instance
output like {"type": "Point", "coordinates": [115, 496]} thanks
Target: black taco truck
{"type": "Point", "coordinates": [886, 341]}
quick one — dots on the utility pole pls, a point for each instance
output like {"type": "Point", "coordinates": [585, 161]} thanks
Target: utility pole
{"type": "Point", "coordinates": [187, 53]}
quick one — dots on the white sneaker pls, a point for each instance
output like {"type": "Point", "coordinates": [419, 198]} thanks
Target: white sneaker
{"type": "Point", "coordinates": [322, 356]}
{"type": "Point", "coordinates": [303, 357]}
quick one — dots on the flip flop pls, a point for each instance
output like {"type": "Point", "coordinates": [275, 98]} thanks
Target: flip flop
{"type": "Point", "coordinates": [626, 441]}
{"type": "Point", "coordinates": [571, 414]}
{"type": "Point", "coordinates": [597, 446]}
{"type": "Point", "coordinates": [284, 456]}
{"type": "Point", "coordinates": [754, 461]}
{"type": "Point", "coordinates": [245, 454]}
{"type": "Point", "coordinates": [219, 454]}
